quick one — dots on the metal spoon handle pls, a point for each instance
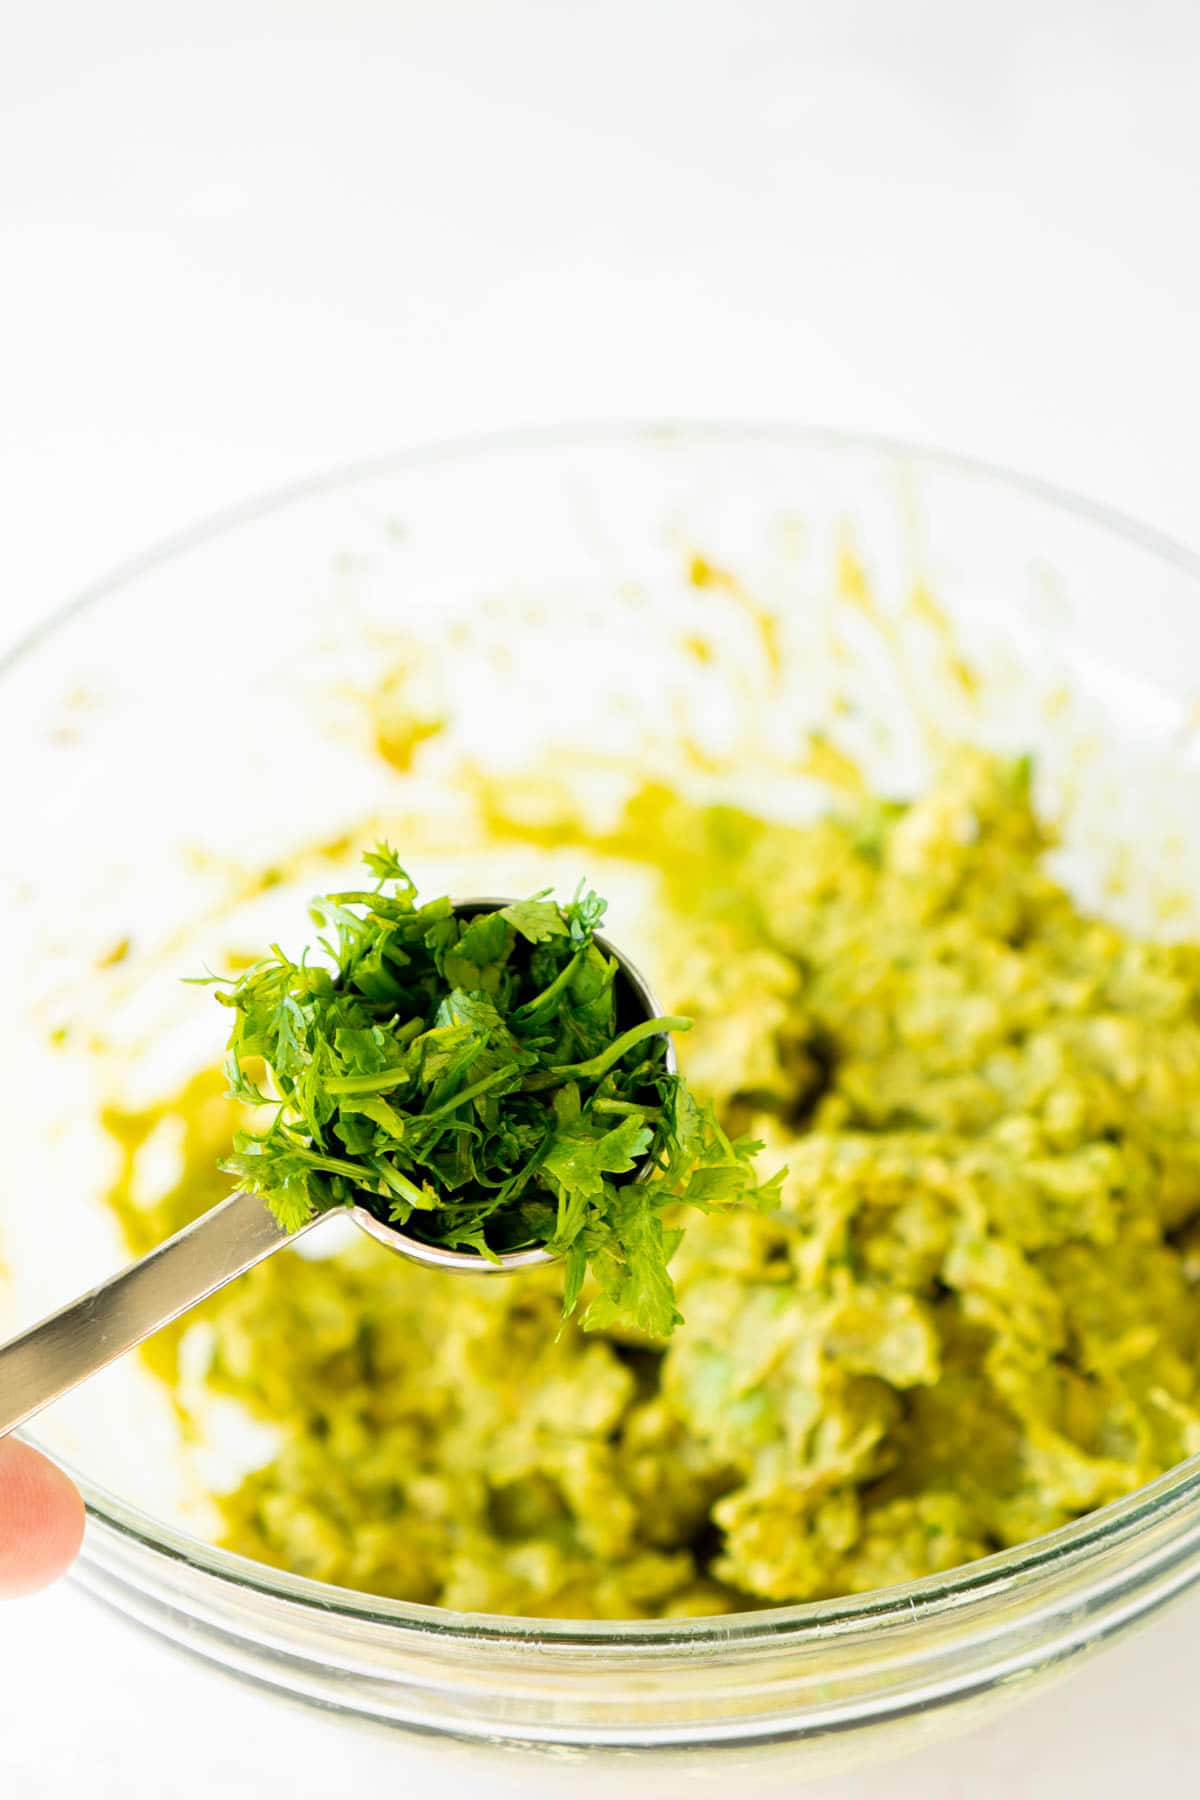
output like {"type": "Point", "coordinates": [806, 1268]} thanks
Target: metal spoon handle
{"type": "Point", "coordinates": [84, 1337]}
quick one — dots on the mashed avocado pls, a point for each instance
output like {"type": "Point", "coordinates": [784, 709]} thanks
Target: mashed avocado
{"type": "Point", "coordinates": [974, 1318]}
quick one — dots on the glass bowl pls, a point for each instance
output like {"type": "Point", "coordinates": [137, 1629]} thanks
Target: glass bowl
{"type": "Point", "coordinates": [276, 679]}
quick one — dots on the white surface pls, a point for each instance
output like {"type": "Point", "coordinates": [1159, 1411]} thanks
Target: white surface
{"type": "Point", "coordinates": [94, 1708]}
{"type": "Point", "coordinates": [287, 234]}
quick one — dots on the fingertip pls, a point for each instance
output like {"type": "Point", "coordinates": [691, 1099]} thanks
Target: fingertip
{"type": "Point", "coordinates": [41, 1520]}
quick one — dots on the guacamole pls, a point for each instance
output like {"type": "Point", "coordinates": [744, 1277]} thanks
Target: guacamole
{"type": "Point", "coordinates": [974, 1317]}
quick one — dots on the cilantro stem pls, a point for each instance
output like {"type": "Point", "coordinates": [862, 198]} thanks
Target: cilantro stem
{"type": "Point", "coordinates": [467, 1093]}
{"type": "Point", "coordinates": [541, 1001]}
{"type": "Point", "coordinates": [331, 1165]}
{"type": "Point", "coordinates": [379, 1083]}
{"type": "Point", "coordinates": [596, 1066]}
{"type": "Point", "coordinates": [399, 1183]}
{"type": "Point", "coordinates": [627, 1107]}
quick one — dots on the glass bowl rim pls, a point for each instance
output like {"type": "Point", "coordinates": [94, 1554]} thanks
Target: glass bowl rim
{"type": "Point", "coordinates": [1070, 1545]}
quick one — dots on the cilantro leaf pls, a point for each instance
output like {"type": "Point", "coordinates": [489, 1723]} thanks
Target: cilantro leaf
{"type": "Point", "coordinates": [538, 919]}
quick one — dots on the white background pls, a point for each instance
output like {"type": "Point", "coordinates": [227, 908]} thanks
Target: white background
{"type": "Point", "coordinates": [242, 241]}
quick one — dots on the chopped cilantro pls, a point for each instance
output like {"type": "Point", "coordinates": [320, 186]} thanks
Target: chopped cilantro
{"type": "Point", "coordinates": [483, 1082]}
